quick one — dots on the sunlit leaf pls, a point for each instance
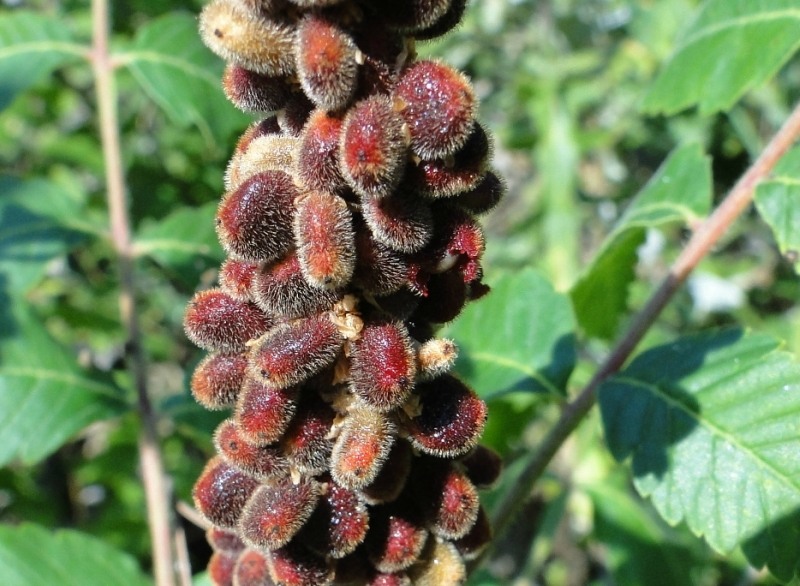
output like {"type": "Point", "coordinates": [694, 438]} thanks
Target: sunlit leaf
{"type": "Point", "coordinates": [33, 556]}
{"type": "Point", "coordinates": [45, 397]}
{"type": "Point", "coordinates": [778, 202]}
{"type": "Point", "coordinates": [31, 47]}
{"type": "Point", "coordinates": [679, 191]}
{"type": "Point", "coordinates": [732, 46]}
{"type": "Point", "coordinates": [519, 337]}
{"type": "Point", "coordinates": [176, 70]}
{"type": "Point", "coordinates": [710, 425]}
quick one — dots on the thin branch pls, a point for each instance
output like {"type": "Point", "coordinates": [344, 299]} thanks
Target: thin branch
{"type": "Point", "coordinates": [154, 479]}
{"type": "Point", "coordinates": [703, 240]}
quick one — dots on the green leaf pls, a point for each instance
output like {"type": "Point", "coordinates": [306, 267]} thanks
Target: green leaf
{"type": "Point", "coordinates": [679, 191]}
{"type": "Point", "coordinates": [732, 46]}
{"type": "Point", "coordinates": [520, 337]}
{"type": "Point", "coordinates": [778, 202]}
{"type": "Point", "coordinates": [710, 423]}
{"type": "Point", "coordinates": [183, 77]}
{"type": "Point", "coordinates": [34, 230]}
{"type": "Point", "coordinates": [33, 556]}
{"type": "Point", "coordinates": [45, 398]}
{"type": "Point", "coordinates": [31, 47]}
{"type": "Point", "coordinates": [185, 242]}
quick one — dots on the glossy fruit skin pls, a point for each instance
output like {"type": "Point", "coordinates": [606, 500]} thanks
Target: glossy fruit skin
{"type": "Point", "coordinates": [349, 226]}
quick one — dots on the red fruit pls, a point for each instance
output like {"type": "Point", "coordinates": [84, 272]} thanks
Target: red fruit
{"type": "Point", "coordinates": [445, 24]}
{"type": "Point", "coordinates": [373, 147]}
{"type": "Point", "coordinates": [338, 525]}
{"type": "Point", "coordinates": [221, 493]}
{"type": "Point", "coordinates": [413, 15]}
{"type": "Point", "coordinates": [391, 480]}
{"type": "Point", "coordinates": [450, 502]}
{"type": "Point", "coordinates": [318, 155]}
{"type": "Point", "coordinates": [217, 322]}
{"type": "Point", "coordinates": [263, 413]}
{"type": "Point", "coordinates": [396, 538]}
{"type": "Point", "coordinates": [236, 278]}
{"type": "Point", "coordinates": [293, 118]}
{"type": "Point", "coordinates": [269, 152]}
{"type": "Point", "coordinates": [254, 221]}
{"type": "Point", "coordinates": [224, 541]}
{"type": "Point", "coordinates": [383, 366]}
{"type": "Point", "coordinates": [457, 243]}
{"type": "Point", "coordinates": [220, 568]}
{"type": "Point", "coordinates": [390, 580]}
{"type": "Point", "coordinates": [400, 221]}
{"type": "Point", "coordinates": [438, 106]}
{"type": "Point", "coordinates": [442, 566]}
{"type": "Point", "coordinates": [295, 565]}
{"type": "Point", "coordinates": [483, 466]}
{"type": "Point", "coordinates": [446, 297]}
{"type": "Point", "coordinates": [259, 461]}
{"type": "Point", "coordinates": [247, 38]}
{"type": "Point", "coordinates": [280, 289]}
{"type": "Point", "coordinates": [252, 570]}
{"type": "Point", "coordinates": [483, 197]}
{"type": "Point", "coordinates": [326, 62]}
{"type": "Point", "coordinates": [217, 380]}
{"type": "Point", "coordinates": [253, 92]}
{"type": "Point", "coordinates": [473, 543]}
{"type": "Point", "coordinates": [379, 269]}
{"type": "Point", "coordinates": [454, 174]}
{"type": "Point", "coordinates": [306, 444]}
{"type": "Point", "coordinates": [361, 449]}
{"type": "Point", "coordinates": [293, 352]}
{"type": "Point", "coordinates": [277, 511]}
{"type": "Point", "coordinates": [435, 357]}
{"type": "Point", "coordinates": [451, 420]}
{"type": "Point", "coordinates": [323, 231]}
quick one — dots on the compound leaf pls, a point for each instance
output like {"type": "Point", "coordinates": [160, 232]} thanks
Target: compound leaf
{"type": "Point", "coordinates": [520, 337]}
{"type": "Point", "coordinates": [31, 556]}
{"type": "Point", "coordinates": [710, 425]}
{"type": "Point", "coordinates": [731, 47]}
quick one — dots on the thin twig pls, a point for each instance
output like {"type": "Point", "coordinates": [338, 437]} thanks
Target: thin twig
{"type": "Point", "coordinates": [154, 479]}
{"type": "Point", "coordinates": [703, 240]}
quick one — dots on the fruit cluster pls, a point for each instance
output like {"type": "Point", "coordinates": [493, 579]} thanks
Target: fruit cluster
{"type": "Point", "coordinates": [351, 455]}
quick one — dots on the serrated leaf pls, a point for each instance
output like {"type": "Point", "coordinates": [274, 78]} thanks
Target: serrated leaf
{"type": "Point", "coordinates": [176, 70]}
{"type": "Point", "coordinates": [679, 191]}
{"type": "Point", "coordinates": [32, 556]}
{"type": "Point", "coordinates": [31, 47]}
{"type": "Point", "coordinates": [520, 337]}
{"type": "Point", "coordinates": [731, 47]}
{"type": "Point", "coordinates": [45, 398]}
{"type": "Point", "coordinates": [34, 229]}
{"type": "Point", "coordinates": [710, 423]}
{"type": "Point", "coordinates": [778, 202]}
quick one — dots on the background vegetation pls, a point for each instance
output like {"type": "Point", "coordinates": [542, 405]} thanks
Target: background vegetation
{"type": "Point", "coordinates": [592, 102]}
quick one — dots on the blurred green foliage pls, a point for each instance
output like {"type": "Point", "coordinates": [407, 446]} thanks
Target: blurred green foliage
{"type": "Point", "coordinates": [586, 104]}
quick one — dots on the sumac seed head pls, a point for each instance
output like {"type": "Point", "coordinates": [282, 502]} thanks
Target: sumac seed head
{"type": "Point", "coordinates": [306, 444]}
{"type": "Point", "coordinates": [217, 380]}
{"type": "Point", "coordinates": [263, 412]}
{"type": "Point", "coordinates": [269, 152]}
{"type": "Point", "coordinates": [413, 15]}
{"type": "Point", "coordinates": [236, 278]}
{"type": "Point", "coordinates": [400, 221]}
{"type": "Point", "coordinates": [484, 196]}
{"type": "Point", "coordinates": [364, 442]}
{"type": "Point", "coordinates": [247, 39]}
{"type": "Point", "coordinates": [221, 493]}
{"type": "Point", "coordinates": [325, 57]}
{"type": "Point", "coordinates": [391, 480]}
{"type": "Point", "coordinates": [396, 538]}
{"type": "Point", "coordinates": [276, 512]}
{"type": "Point", "coordinates": [451, 420]}
{"type": "Point", "coordinates": [259, 461]}
{"type": "Point", "coordinates": [323, 231]}
{"type": "Point", "coordinates": [295, 565]}
{"type": "Point", "coordinates": [471, 545]}
{"type": "Point", "coordinates": [442, 565]}
{"type": "Point", "coordinates": [254, 221]}
{"type": "Point", "coordinates": [281, 289]}
{"type": "Point", "coordinates": [451, 503]}
{"type": "Point", "coordinates": [293, 352]}
{"type": "Point", "coordinates": [338, 525]}
{"type": "Point", "coordinates": [445, 24]}
{"type": "Point", "coordinates": [383, 366]}
{"type": "Point", "coordinates": [224, 540]}
{"type": "Point", "coordinates": [220, 568]}
{"type": "Point", "coordinates": [254, 92]}
{"type": "Point", "coordinates": [483, 466]}
{"type": "Point", "coordinates": [251, 570]}
{"type": "Point", "coordinates": [436, 357]}
{"type": "Point", "coordinates": [438, 105]}
{"type": "Point", "coordinates": [317, 162]}
{"type": "Point", "coordinates": [217, 322]}
{"type": "Point", "coordinates": [373, 147]}
{"type": "Point", "coordinates": [379, 269]}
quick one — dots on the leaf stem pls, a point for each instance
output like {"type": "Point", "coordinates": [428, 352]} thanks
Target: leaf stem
{"type": "Point", "coordinates": [153, 476]}
{"type": "Point", "coordinates": [704, 238]}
